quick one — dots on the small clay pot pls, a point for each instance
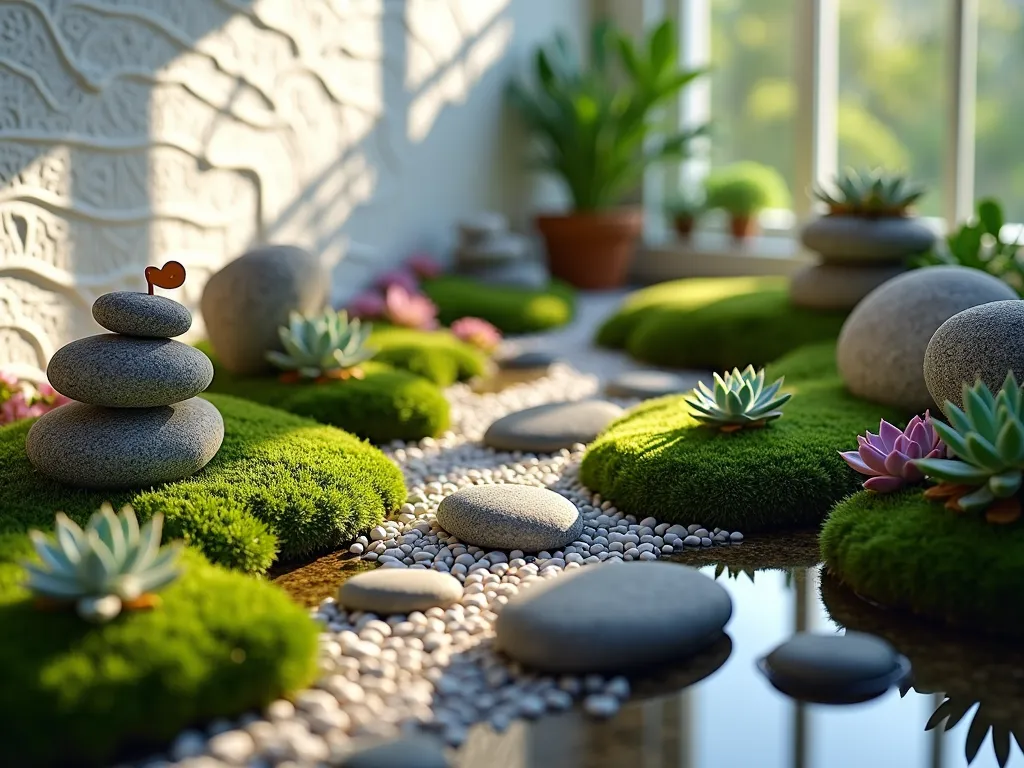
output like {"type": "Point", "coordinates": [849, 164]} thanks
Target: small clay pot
{"type": "Point", "coordinates": [743, 227]}
{"type": "Point", "coordinates": [592, 250]}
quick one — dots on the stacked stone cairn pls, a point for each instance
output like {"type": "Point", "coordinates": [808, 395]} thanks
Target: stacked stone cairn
{"type": "Point", "coordinates": [137, 421]}
{"type": "Point", "coordinates": [489, 252]}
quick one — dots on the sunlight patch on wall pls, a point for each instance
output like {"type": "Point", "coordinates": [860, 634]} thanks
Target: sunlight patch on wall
{"type": "Point", "coordinates": [448, 53]}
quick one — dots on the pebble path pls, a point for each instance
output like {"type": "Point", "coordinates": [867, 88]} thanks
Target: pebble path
{"type": "Point", "coordinates": [434, 671]}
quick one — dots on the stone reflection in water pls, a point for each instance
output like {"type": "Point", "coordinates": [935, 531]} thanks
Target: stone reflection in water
{"type": "Point", "coordinates": [964, 672]}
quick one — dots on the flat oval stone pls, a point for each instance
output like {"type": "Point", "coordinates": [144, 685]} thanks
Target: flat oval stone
{"type": "Point", "coordinates": [139, 314]}
{"type": "Point", "coordinates": [650, 384]}
{"type": "Point", "coordinates": [395, 590]}
{"type": "Point", "coordinates": [859, 240]}
{"type": "Point", "coordinates": [125, 372]}
{"type": "Point", "coordinates": [551, 427]}
{"type": "Point", "coordinates": [605, 619]}
{"type": "Point", "coordinates": [526, 361]}
{"type": "Point", "coordinates": [510, 517]}
{"type": "Point", "coordinates": [833, 668]}
{"type": "Point", "coordinates": [96, 447]}
{"type": "Point", "coordinates": [404, 752]}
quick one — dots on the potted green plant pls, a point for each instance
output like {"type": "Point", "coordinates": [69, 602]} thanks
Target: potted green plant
{"type": "Point", "coordinates": [684, 209]}
{"type": "Point", "coordinates": [870, 219]}
{"type": "Point", "coordinates": [743, 190]}
{"type": "Point", "coordinates": [596, 122]}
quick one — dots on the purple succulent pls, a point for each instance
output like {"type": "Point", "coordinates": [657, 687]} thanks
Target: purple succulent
{"type": "Point", "coordinates": [367, 305]}
{"type": "Point", "coordinates": [410, 309]}
{"type": "Point", "coordinates": [887, 458]}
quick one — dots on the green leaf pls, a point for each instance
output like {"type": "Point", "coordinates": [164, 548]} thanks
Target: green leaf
{"type": "Point", "coordinates": [662, 47]}
{"type": "Point", "coordinates": [976, 500]}
{"type": "Point", "coordinates": [990, 214]}
{"type": "Point", "coordinates": [600, 37]}
{"type": "Point", "coordinates": [1010, 442]}
{"type": "Point", "coordinates": [981, 416]}
{"type": "Point", "coordinates": [950, 471]}
{"type": "Point", "coordinates": [953, 439]}
{"type": "Point", "coordinates": [983, 454]}
{"type": "Point", "coordinates": [1005, 484]}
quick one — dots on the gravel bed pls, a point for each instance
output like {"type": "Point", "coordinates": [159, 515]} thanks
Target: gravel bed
{"type": "Point", "coordinates": [435, 671]}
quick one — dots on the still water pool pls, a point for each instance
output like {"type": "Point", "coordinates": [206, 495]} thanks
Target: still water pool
{"type": "Point", "coordinates": [719, 712]}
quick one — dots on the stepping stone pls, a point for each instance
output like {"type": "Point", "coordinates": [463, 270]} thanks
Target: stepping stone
{"type": "Point", "coordinates": [526, 274]}
{"type": "Point", "coordinates": [96, 447]}
{"type": "Point", "coordinates": [649, 384]}
{"type": "Point", "coordinates": [394, 590]}
{"type": "Point", "coordinates": [603, 619]}
{"type": "Point", "coordinates": [126, 372]}
{"type": "Point", "coordinates": [834, 669]}
{"type": "Point", "coordinates": [510, 517]}
{"type": "Point", "coordinates": [139, 314]}
{"type": "Point", "coordinates": [526, 361]}
{"type": "Point", "coordinates": [405, 752]}
{"type": "Point", "coordinates": [551, 427]}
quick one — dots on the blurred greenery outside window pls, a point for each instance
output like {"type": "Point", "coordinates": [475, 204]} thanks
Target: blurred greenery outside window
{"type": "Point", "coordinates": [893, 80]}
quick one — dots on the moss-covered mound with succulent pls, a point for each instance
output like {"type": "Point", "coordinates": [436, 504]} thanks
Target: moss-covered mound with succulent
{"type": "Point", "coordinates": [909, 553]}
{"type": "Point", "coordinates": [71, 692]}
{"type": "Point", "coordinates": [659, 460]}
{"type": "Point", "coordinates": [511, 309]}
{"type": "Point", "coordinates": [716, 323]}
{"type": "Point", "coordinates": [435, 355]}
{"type": "Point", "coordinates": [385, 404]}
{"type": "Point", "coordinates": [280, 486]}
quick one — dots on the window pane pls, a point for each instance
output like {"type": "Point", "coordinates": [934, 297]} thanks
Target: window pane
{"type": "Point", "coordinates": [999, 150]}
{"type": "Point", "coordinates": [753, 96]}
{"type": "Point", "coordinates": [892, 81]}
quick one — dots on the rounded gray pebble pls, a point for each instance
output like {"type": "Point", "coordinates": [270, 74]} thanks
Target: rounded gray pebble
{"type": "Point", "coordinates": [581, 621]}
{"type": "Point", "coordinates": [736, 536]}
{"type": "Point", "coordinates": [705, 541]}
{"type": "Point", "coordinates": [982, 342]}
{"type": "Point", "coordinates": [398, 591]}
{"type": "Point", "coordinates": [650, 384]}
{"type": "Point", "coordinates": [551, 427]}
{"type": "Point", "coordinates": [406, 752]}
{"type": "Point", "coordinates": [127, 372]}
{"type": "Point", "coordinates": [139, 314]}
{"type": "Point", "coordinates": [510, 517]}
{"type": "Point", "coordinates": [95, 447]}
{"type": "Point", "coordinates": [691, 541]}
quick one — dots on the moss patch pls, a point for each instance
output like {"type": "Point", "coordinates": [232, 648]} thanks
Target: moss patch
{"type": "Point", "coordinates": [279, 483]}
{"type": "Point", "coordinates": [386, 405]}
{"type": "Point", "coordinates": [73, 693]}
{"type": "Point", "coordinates": [657, 461]}
{"type": "Point", "coordinates": [716, 323]}
{"type": "Point", "coordinates": [434, 355]}
{"type": "Point", "coordinates": [510, 309]}
{"type": "Point", "coordinates": [906, 552]}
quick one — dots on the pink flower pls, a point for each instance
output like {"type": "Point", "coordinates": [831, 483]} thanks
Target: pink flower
{"type": "Point", "coordinates": [400, 277]}
{"type": "Point", "coordinates": [9, 380]}
{"type": "Point", "coordinates": [368, 304]}
{"type": "Point", "coordinates": [887, 458]}
{"type": "Point", "coordinates": [15, 408]}
{"type": "Point", "coordinates": [424, 265]}
{"type": "Point", "coordinates": [48, 398]}
{"type": "Point", "coordinates": [477, 332]}
{"type": "Point", "coordinates": [412, 310]}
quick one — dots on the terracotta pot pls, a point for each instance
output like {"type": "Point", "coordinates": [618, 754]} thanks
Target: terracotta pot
{"type": "Point", "coordinates": [591, 250]}
{"type": "Point", "coordinates": [743, 227]}
{"type": "Point", "coordinates": [683, 226]}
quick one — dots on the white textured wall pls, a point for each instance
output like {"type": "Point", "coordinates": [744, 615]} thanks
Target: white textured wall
{"type": "Point", "coordinates": [137, 131]}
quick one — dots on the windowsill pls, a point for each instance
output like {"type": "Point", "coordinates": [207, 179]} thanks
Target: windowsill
{"type": "Point", "coordinates": [716, 254]}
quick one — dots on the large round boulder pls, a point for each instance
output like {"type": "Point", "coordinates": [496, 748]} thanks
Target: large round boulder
{"type": "Point", "coordinates": [983, 342]}
{"type": "Point", "coordinates": [245, 303]}
{"type": "Point", "coordinates": [882, 344]}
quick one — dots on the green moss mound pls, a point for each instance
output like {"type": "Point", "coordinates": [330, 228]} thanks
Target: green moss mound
{"type": "Point", "coordinates": [435, 355]}
{"type": "Point", "coordinates": [510, 309]}
{"type": "Point", "coordinates": [657, 461]}
{"type": "Point", "coordinates": [906, 552]}
{"type": "Point", "coordinates": [279, 484]}
{"type": "Point", "coordinates": [74, 693]}
{"type": "Point", "coordinates": [386, 405]}
{"type": "Point", "coordinates": [716, 323]}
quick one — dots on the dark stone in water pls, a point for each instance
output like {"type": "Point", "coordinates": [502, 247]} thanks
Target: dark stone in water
{"type": "Point", "coordinates": [526, 361]}
{"type": "Point", "coordinates": [834, 669]}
